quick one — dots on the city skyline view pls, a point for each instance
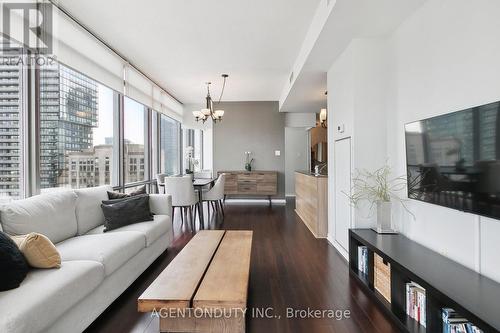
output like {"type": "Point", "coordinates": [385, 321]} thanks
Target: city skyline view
{"type": "Point", "coordinates": [76, 132]}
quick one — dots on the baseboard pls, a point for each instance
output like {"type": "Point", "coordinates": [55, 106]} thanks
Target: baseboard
{"type": "Point", "coordinates": [339, 249]}
{"type": "Point", "coordinates": [256, 201]}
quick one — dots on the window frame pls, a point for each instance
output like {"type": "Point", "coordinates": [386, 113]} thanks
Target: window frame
{"type": "Point", "coordinates": [178, 125]}
{"type": "Point", "coordinates": [152, 132]}
{"type": "Point", "coordinates": [30, 134]}
{"type": "Point", "coordinates": [147, 146]}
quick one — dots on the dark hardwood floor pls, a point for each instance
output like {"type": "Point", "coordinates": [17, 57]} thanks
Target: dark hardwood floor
{"type": "Point", "coordinates": [290, 269]}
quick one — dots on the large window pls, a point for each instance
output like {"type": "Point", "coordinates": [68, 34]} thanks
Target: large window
{"type": "Point", "coordinates": [135, 139]}
{"type": "Point", "coordinates": [76, 130]}
{"type": "Point", "coordinates": [169, 146]}
{"type": "Point", "coordinates": [11, 125]}
{"type": "Point", "coordinates": [60, 128]}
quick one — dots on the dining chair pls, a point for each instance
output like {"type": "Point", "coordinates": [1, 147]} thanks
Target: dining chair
{"type": "Point", "coordinates": [215, 195]}
{"type": "Point", "coordinates": [160, 182]}
{"type": "Point", "coordinates": [183, 196]}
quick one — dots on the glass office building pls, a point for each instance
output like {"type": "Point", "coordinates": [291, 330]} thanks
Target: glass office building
{"type": "Point", "coordinates": [68, 114]}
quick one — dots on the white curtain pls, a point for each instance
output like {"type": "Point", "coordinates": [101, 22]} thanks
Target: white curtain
{"type": "Point", "coordinates": [77, 48]}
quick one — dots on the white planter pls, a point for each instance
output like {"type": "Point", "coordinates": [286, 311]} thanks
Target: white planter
{"type": "Point", "coordinates": [384, 218]}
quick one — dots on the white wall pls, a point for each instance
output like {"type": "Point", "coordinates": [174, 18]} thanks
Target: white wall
{"type": "Point", "coordinates": [443, 58]}
{"type": "Point", "coordinates": [300, 119]}
{"type": "Point", "coordinates": [296, 159]}
{"type": "Point", "coordinates": [208, 149]}
{"type": "Point", "coordinates": [297, 149]}
{"type": "Point", "coordinates": [357, 90]}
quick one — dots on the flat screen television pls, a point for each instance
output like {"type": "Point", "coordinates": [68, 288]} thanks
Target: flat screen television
{"type": "Point", "coordinates": [453, 160]}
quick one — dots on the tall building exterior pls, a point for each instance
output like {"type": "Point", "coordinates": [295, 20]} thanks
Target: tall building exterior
{"type": "Point", "coordinates": [10, 125]}
{"type": "Point", "coordinates": [134, 162]}
{"type": "Point", "coordinates": [68, 113]}
{"type": "Point", "coordinates": [93, 167]}
{"type": "Point", "coordinates": [169, 145]}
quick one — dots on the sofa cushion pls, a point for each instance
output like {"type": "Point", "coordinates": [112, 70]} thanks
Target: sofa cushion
{"type": "Point", "coordinates": [46, 294]}
{"type": "Point", "coordinates": [38, 250]}
{"type": "Point", "coordinates": [152, 230]}
{"type": "Point", "coordinates": [121, 212]}
{"type": "Point", "coordinates": [119, 195]}
{"type": "Point", "coordinates": [110, 249]}
{"type": "Point", "coordinates": [13, 265]}
{"type": "Point", "coordinates": [51, 214]}
{"type": "Point", "coordinates": [88, 207]}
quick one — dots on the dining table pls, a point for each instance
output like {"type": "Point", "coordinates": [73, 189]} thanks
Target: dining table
{"type": "Point", "coordinates": [199, 184]}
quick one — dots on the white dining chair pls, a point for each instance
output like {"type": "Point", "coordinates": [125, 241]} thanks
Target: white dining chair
{"type": "Point", "coordinates": [160, 182]}
{"type": "Point", "coordinates": [215, 195]}
{"type": "Point", "coordinates": [183, 196]}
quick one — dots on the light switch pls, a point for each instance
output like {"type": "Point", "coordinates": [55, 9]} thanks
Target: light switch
{"type": "Point", "coordinates": [277, 153]}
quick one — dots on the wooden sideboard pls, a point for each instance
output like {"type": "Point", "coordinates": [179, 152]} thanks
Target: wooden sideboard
{"type": "Point", "coordinates": [262, 183]}
{"type": "Point", "coordinates": [311, 200]}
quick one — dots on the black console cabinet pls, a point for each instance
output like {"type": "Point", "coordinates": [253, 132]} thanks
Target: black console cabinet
{"type": "Point", "coordinates": [448, 284]}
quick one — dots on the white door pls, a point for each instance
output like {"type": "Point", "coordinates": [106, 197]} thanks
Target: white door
{"type": "Point", "coordinates": [342, 151]}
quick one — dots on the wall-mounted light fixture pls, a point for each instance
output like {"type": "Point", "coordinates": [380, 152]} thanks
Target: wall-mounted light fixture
{"type": "Point", "coordinates": [323, 118]}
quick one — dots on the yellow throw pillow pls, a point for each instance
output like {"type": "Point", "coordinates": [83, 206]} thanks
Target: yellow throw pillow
{"type": "Point", "coordinates": [38, 250]}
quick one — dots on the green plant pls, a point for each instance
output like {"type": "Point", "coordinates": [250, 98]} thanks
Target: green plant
{"type": "Point", "coordinates": [377, 186]}
{"type": "Point", "coordinates": [248, 160]}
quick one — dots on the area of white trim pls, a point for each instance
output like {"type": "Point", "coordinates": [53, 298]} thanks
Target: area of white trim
{"type": "Point", "coordinates": [339, 248]}
{"type": "Point", "coordinates": [256, 201]}
{"type": "Point", "coordinates": [318, 22]}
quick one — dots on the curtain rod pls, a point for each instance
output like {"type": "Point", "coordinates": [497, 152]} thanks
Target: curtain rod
{"type": "Point", "coordinates": [102, 41]}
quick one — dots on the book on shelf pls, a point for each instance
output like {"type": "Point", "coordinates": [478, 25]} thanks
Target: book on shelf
{"type": "Point", "coordinates": [454, 323]}
{"type": "Point", "coordinates": [416, 302]}
{"type": "Point", "coordinates": [363, 259]}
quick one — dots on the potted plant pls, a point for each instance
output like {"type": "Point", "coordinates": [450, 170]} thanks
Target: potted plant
{"type": "Point", "coordinates": [378, 189]}
{"type": "Point", "coordinates": [248, 161]}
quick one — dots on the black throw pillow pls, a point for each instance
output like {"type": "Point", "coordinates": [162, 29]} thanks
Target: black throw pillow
{"type": "Point", "coordinates": [121, 212]}
{"type": "Point", "coordinates": [13, 265]}
{"type": "Point", "coordinates": [118, 195]}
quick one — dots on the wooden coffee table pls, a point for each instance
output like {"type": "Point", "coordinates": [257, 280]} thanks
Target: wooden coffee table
{"type": "Point", "coordinates": [205, 287]}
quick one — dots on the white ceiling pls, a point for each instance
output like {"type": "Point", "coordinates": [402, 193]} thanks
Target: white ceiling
{"type": "Point", "coordinates": [183, 43]}
{"type": "Point", "coordinates": [348, 19]}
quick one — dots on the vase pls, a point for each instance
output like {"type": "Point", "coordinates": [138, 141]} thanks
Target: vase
{"type": "Point", "coordinates": [384, 218]}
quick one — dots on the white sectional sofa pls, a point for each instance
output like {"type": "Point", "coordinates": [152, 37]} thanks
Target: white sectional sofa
{"type": "Point", "coordinates": [96, 267]}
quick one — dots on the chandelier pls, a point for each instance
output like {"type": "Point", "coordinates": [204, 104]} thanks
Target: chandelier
{"type": "Point", "coordinates": [208, 111]}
